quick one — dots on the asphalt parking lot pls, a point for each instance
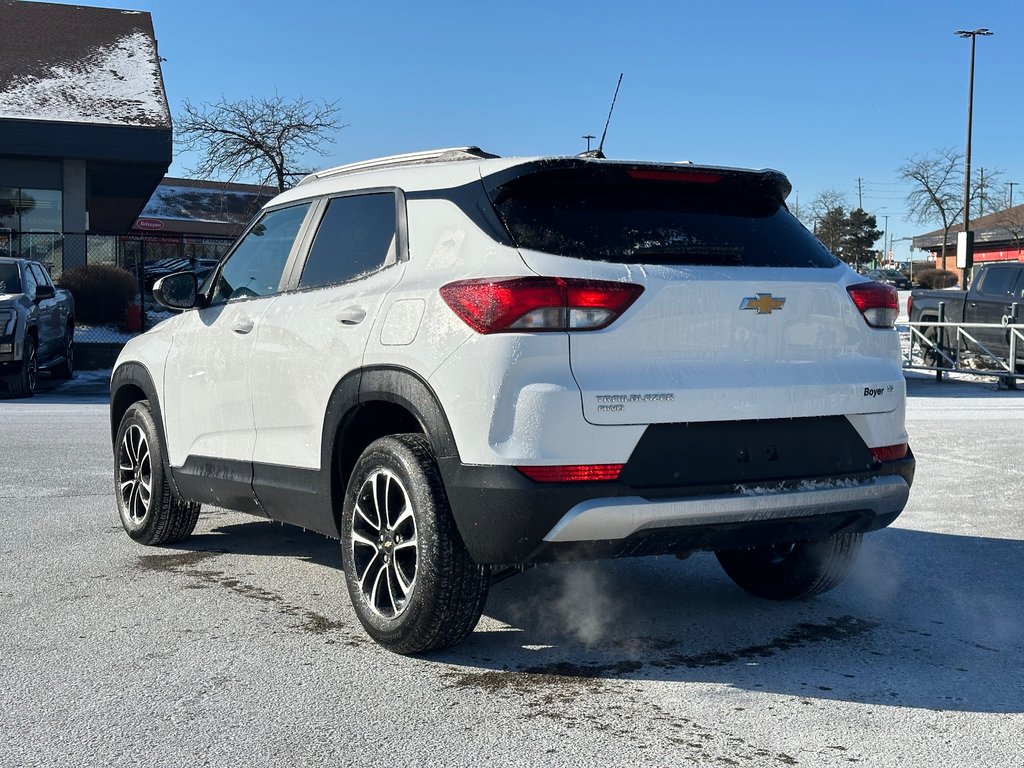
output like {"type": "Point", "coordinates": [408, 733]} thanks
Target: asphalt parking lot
{"type": "Point", "coordinates": [239, 647]}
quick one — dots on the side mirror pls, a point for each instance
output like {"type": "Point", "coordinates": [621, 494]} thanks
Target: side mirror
{"type": "Point", "coordinates": [177, 291]}
{"type": "Point", "coordinates": [45, 292]}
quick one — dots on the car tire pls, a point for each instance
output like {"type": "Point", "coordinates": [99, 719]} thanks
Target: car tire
{"type": "Point", "coordinates": [791, 571]}
{"type": "Point", "coordinates": [930, 355]}
{"type": "Point", "coordinates": [413, 585]}
{"type": "Point", "coordinates": [23, 383]}
{"type": "Point", "coordinates": [149, 511]}
{"type": "Point", "coordinates": [65, 369]}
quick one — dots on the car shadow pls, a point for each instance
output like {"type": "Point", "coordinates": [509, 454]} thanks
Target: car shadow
{"type": "Point", "coordinates": [259, 536]}
{"type": "Point", "coordinates": [925, 620]}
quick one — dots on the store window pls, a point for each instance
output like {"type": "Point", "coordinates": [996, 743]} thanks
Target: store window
{"type": "Point", "coordinates": [30, 210]}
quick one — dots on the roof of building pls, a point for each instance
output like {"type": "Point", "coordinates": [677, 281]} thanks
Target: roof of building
{"type": "Point", "coordinates": [206, 201]}
{"type": "Point", "coordinates": [1002, 226]}
{"type": "Point", "coordinates": [71, 63]}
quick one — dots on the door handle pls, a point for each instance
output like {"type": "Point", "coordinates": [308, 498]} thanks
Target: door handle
{"type": "Point", "coordinates": [351, 316]}
{"type": "Point", "coordinates": [242, 325]}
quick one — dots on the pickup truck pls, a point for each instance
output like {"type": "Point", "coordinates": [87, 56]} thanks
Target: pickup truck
{"type": "Point", "coordinates": [990, 299]}
{"type": "Point", "coordinates": [37, 326]}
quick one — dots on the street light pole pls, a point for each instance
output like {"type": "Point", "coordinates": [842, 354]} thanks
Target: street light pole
{"type": "Point", "coordinates": [885, 237]}
{"type": "Point", "coordinates": [1012, 184]}
{"type": "Point", "coordinates": [973, 34]}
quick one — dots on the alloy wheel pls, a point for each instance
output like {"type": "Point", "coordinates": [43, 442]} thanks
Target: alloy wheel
{"type": "Point", "coordinates": [135, 474]}
{"type": "Point", "coordinates": [384, 546]}
{"type": "Point", "coordinates": [32, 369]}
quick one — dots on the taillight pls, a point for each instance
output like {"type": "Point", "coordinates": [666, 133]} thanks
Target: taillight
{"type": "Point", "coordinates": [910, 304]}
{"type": "Point", "coordinates": [890, 452]}
{"type": "Point", "coordinates": [879, 303]}
{"type": "Point", "coordinates": [573, 473]}
{"type": "Point", "coordinates": [508, 304]}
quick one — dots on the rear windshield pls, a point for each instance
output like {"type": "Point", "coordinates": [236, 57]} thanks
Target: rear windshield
{"type": "Point", "coordinates": [615, 214]}
{"type": "Point", "coordinates": [10, 280]}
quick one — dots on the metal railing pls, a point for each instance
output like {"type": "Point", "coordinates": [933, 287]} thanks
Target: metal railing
{"type": "Point", "coordinates": [950, 347]}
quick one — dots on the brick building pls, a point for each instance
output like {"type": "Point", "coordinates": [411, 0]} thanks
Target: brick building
{"type": "Point", "coordinates": [998, 236]}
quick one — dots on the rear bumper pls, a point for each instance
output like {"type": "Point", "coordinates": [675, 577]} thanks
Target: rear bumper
{"type": "Point", "coordinates": [504, 518]}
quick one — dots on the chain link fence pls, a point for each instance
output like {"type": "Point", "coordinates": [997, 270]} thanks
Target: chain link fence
{"type": "Point", "coordinates": [147, 257]}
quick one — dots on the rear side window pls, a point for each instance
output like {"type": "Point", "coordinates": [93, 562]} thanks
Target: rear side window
{"type": "Point", "coordinates": [999, 282]}
{"type": "Point", "coordinates": [356, 236]}
{"type": "Point", "coordinates": [655, 217]}
{"type": "Point", "coordinates": [10, 280]}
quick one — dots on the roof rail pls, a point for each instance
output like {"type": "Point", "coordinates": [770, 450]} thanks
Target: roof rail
{"type": "Point", "coordinates": [411, 158]}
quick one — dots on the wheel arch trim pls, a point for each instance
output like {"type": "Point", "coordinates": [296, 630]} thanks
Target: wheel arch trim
{"type": "Point", "coordinates": [389, 384]}
{"type": "Point", "coordinates": [135, 375]}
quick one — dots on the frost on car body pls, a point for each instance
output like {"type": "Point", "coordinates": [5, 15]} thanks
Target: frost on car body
{"type": "Point", "coordinates": [455, 362]}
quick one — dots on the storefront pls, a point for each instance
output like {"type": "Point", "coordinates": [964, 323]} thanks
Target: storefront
{"type": "Point", "coordinates": [85, 129]}
{"type": "Point", "coordinates": [998, 236]}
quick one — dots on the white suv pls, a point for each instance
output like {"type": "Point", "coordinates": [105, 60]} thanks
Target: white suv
{"type": "Point", "coordinates": [460, 365]}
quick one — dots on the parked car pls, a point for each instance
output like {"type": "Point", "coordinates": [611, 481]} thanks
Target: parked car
{"type": "Point", "coordinates": [461, 365]}
{"type": "Point", "coordinates": [891, 277]}
{"type": "Point", "coordinates": [993, 292]}
{"type": "Point", "coordinates": [37, 326]}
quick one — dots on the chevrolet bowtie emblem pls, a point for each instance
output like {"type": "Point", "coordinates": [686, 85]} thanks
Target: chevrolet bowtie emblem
{"type": "Point", "coordinates": [763, 303]}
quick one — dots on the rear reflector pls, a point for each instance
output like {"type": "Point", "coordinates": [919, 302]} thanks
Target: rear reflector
{"type": "Point", "coordinates": [573, 473]}
{"type": "Point", "coordinates": [877, 302]}
{"type": "Point", "coordinates": [890, 452]}
{"type": "Point", "coordinates": [682, 175]}
{"type": "Point", "coordinates": [509, 304]}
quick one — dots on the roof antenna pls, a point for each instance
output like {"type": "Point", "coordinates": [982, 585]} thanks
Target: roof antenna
{"type": "Point", "coordinates": [599, 152]}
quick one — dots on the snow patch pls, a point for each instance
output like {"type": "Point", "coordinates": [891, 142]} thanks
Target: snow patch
{"type": "Point", "coordinates": [119, 85]}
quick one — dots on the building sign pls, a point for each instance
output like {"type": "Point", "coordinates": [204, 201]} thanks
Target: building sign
{"type": "Point", "coordinates": [150, 225]}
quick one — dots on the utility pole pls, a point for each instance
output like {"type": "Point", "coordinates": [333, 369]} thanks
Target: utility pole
{"type": "Point", "coordinates": [885, 238]}
{"type": "Point", "coordinates": [981, 192]}
{"type": "Point", "coordinates": [969, 263]}
{"type": "Point", "coordinates": [1012, 184]}
{"type": "Point", "coordinates": [860, 194]}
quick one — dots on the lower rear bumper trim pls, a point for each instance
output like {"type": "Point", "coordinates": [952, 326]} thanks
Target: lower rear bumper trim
{"type": "Point", "coordinates": [621, 517]}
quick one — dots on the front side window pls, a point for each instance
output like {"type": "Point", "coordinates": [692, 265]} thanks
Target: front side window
{"type": "Point", "coordinates": [356, 237]}
{"type": "Point", "coordinates": [40, 274]}
{"type": "Point", "coordinates": [256, 265]}
{"type": "Point", "coordinates": [28, 284]}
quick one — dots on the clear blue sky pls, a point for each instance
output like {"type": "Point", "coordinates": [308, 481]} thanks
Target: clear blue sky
{"type": "Point", "coordinates": [825, 91]}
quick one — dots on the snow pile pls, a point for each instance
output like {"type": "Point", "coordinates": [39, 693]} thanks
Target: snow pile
{"type": "Point", "coordinates": [118, 85]}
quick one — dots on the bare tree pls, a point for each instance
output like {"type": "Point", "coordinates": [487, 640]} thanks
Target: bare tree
{"type": "Point", "coordinates": [1011, 220]}
{"type": "Point", "coordinates": [937, 189]}
{"type": "Point", "coordinates": [825, 202]}
{"type": "Point", "coordinates": [986, 192]}
{"type": "Point", "coordinates": [256, 138]}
